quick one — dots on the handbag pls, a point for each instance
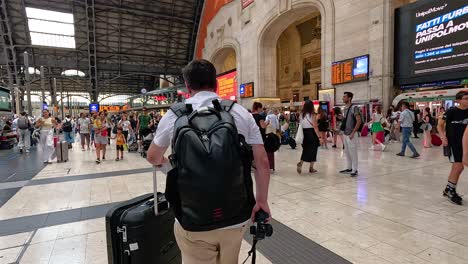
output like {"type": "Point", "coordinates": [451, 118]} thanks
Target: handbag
{"type": "Point", "coordinates": [125, 147]}
{"type": "Point", "coordinates": [299, 134]}
{"type": "Point", "coordinates": [384, 123]}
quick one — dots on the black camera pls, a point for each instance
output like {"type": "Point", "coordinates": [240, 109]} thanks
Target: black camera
{"type": "Point", "coordinates": [262, 229]}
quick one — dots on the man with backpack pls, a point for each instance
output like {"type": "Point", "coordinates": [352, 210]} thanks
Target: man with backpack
{"type": "Point", "coordinates": [210, 187]}
{"type": "Point", "coordinates": [67, 128]}
{"type": "Point", "coordinates": [350, 126]}
{"type": "Point", "coordinates": [23, 125]}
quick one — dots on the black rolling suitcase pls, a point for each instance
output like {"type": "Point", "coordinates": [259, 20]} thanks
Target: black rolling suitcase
{"type": "Point", "coordinates": [138, 232]}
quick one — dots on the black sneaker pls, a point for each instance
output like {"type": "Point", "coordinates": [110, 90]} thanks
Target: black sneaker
{"type": "Point", "coordinates": [453, 196]}
{"type": "Point", "coordinates": [98, 161]}
{"type": "Point", "coordinates": [400, 154]}
{"type": "Point", "coordinates": [415, 156]}
{"type": "Point", "coordinates": [354, 174]}
{"type": "Point", "coordinates": [346, 171]}
{"type": "Point", "coordinates": [334, 146]}
{"type": "Point", "coordinates": [21, 150]}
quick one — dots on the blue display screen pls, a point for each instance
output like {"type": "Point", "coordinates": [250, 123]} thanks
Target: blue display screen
{"type": "Point", "coordinates": [361, 67]}
{"type": "Point", "coordinates": [93, 108]}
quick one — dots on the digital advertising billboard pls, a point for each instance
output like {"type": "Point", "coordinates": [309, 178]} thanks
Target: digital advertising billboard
{"type": "Point", "coordinates": [350, 70]}
{"type": "Point", "coordinates": [431, 41]}
{"type": "Point", "coordinates": [227, 85]}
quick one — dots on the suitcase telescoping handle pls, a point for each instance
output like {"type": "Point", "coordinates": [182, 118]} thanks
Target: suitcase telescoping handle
{"type": "Point", "coordinates": [165, 168]}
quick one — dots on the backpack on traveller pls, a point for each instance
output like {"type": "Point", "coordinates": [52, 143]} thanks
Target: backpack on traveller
{"type": "Point", "coordinates": [67, 126]}
{"type": "Point", "coordinates": [210, 185]}
{"type": "Point", "coordinates": [292, 117]}
{"type": "Point", "coordinates": [23, 122]}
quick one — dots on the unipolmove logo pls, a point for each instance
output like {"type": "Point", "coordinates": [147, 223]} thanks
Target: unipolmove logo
{"type": "Point", "coordinates": [431, 10]}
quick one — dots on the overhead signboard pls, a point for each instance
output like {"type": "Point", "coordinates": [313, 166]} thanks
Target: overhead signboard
{"type": "Point", "coordinates": [431, 41]}
{"type": "Point", "coordinates": [227, 85]}
{"type": "Point", "coordinates": [350, 70]}
{"type": "Point", "coordinates": [94, 108]}
{"type": "Point", "coordinates": [246, 3]}
{"type": "Point", "coordinates": [246, 90]}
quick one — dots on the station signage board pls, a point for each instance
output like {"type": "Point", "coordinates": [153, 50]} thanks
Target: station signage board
{"type": "Point", "coordinates": [227, 85]}
{"type": "Point", "coordinates": [93, 107]}
{"type": "Point", "coordinates": [350, 70]}
{"type": "Point", "coordinates": [246, 90]}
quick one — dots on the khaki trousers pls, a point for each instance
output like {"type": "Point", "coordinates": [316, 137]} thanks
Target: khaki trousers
{"type": "Point", "coordinates": [220, 246]}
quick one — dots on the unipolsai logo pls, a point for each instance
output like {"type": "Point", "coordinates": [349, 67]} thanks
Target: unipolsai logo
{"type": "Point", "coordinates": [431, 10]}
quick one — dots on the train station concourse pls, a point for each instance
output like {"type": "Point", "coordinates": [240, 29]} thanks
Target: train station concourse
{"type": "Point", "coordinates": [233, 131]}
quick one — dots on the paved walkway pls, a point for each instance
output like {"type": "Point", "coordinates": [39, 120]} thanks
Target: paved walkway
{"type": "Point", "coordinates": [392, 213]}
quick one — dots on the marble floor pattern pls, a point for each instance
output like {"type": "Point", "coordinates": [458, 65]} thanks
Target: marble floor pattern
{"type": "Point", "coordinates": [393, 212]}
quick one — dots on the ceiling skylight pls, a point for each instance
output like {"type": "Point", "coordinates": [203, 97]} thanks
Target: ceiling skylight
{"type": "Point", "coordinates": [51, 28]}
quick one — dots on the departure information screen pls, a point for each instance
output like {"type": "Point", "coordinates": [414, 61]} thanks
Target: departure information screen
{"type": "Point", "coordinates": [227, 85]}
{"type": "Point", "coordinates": [431, 42]}
{"type": "Point", "coordinates": [350, 70]}
{"type": "Point", "coordinates": [246, 90]}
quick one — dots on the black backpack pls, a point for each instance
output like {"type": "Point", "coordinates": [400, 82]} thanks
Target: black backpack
{"type": "Point", "coordinates": [210, 185]}
{"type": "Point", "coordinates": [292, 117]}
{"type": "Point", "coordinates": [67, 126]}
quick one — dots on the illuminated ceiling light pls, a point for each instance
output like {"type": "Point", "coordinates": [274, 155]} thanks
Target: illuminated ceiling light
{"type": "Point", "coordinates": [73, 73]}
{"type": "Point", "coordinates": [33, 70]}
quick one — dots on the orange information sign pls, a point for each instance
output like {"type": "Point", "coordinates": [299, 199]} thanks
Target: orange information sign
{"type": "Point", "coordinates": [246, 90]}
{"type": "Point", "coordinates": [227, 85]}
{"type": "Point", "coordinates": [342, 72]}
{"type": "Point", "coordinates": [351, 70]}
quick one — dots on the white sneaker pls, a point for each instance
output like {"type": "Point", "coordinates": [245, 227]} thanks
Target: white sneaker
{"type": "Point", "coordinates": [27, 151]}
{"type": "Point", "coordinates": [383, 147]}
{"type": "Point", "coordinates": [371, 148]}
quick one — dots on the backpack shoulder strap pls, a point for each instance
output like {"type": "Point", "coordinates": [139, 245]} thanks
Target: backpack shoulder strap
{"type": "Point", "coordinates": [227, 105]}
{"type": "Point", "coordinates": [181, 109]}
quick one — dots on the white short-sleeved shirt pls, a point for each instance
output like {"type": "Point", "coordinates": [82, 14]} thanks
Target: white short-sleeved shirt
{"type": "Point", "coordinates": [125, 125]}
{"type": "Point", "coordinates": [306, 121]}
{"type": "Point", "coordinates": [245, 122]}
{"type": "Point", "coordinates": [84, 125]}
{"type": "Point", "coordinates": [274, 122]}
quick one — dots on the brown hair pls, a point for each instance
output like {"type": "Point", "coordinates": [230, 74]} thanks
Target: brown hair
{"type": "Point", "coordinates": [378, 109]}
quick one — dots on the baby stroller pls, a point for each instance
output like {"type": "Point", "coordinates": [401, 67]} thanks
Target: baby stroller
{"type": "Point", "coordinates": [146, 144]}
{"type": "Point", "coordinates": [132, 143]}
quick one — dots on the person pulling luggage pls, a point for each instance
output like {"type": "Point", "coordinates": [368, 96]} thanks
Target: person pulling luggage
{"type": "Point", "coordinates": [211, 192]}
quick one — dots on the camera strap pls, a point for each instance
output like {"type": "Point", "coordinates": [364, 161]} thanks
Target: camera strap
{"type": "Point", "coordinates": [252, 252]}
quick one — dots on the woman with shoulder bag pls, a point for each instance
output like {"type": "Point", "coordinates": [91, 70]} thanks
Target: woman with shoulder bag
{"type": "Point", "coordinates": [46, 124]}
{"type": "Point", "coordinates": [377, 129]}
{"type": "Point", "coordinates": [311, 140]}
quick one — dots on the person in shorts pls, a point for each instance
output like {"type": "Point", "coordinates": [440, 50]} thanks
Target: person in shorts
{"type": "Point", "coordinates": [120, 141]}
{"type": "Point", "coordinates": [451, 128]}
{"type": "Point", "coordinates": [84, 125]}
{"type": "Point", "coordinates": [101, 136]}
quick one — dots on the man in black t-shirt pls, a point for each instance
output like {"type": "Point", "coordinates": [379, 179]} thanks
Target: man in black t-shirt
{"type": "Point", "coordinates": [451, 128]}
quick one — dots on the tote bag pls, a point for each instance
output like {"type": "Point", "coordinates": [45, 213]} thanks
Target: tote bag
{"type": "Point", "coordinates": [299, 135]}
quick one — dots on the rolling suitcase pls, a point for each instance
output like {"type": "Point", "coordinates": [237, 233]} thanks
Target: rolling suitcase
{"type": "Point", "coordinates": [139, 232]}
{"type": "Point", "coordinates": [62, 151]}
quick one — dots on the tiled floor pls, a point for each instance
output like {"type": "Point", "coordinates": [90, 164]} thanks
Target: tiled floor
{"type": "Point", "coordinates": [392, 213]}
